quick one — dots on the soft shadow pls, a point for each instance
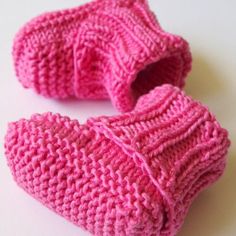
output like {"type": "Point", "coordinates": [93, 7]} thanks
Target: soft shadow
{"type": "Point", "coordinates": [82, 109]}
{"type": "Point", "coordinates": [214, 211]}
{"type": "Point", "coordinates": [203, 81]}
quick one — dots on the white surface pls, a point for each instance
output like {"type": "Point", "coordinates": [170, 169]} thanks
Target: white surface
{"type": "Point", "coordinates": [209, 26]}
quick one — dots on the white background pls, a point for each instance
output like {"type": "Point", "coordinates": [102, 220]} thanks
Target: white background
{"type": "Point", "coordinates": [210, 27]}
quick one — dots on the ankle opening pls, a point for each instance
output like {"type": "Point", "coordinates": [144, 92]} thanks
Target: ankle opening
{"type": "Point", "coordinates": [165, 71]}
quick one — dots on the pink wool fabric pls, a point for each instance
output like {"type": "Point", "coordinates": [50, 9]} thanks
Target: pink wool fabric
{"type": "Point", "coordinates": [132, 174]}
{"type": "Point", "coordinates": [104, 49]}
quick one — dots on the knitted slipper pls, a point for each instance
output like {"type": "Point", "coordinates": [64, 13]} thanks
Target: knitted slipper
{"type": "Point", "coordinates": [132, 174]}
{"type": "Point", "coordinates": [106, 48]}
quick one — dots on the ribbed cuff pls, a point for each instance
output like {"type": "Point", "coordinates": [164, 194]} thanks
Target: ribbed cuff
{"type": "Point", "coordinates": [176, 141]}
{"type": "Point", "coordinates": [124, 50]}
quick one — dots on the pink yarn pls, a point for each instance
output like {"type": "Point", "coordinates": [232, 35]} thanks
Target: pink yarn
{"type": "Point", "coordinates": [132, 174]}
{"type": "Point", "coordinates": [106, 48]}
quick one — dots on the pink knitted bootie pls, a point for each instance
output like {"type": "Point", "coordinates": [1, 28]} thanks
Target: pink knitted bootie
{"type": "Point", "coordinates": [106, 48]}
{"type": "Point", "coordinates": [132, 174]}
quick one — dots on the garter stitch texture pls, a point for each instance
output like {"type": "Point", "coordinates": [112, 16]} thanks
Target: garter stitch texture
{"type": "Point", "coordinates": [106, 48]}
{"type": "Point", "coordinates": [132, 174]}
